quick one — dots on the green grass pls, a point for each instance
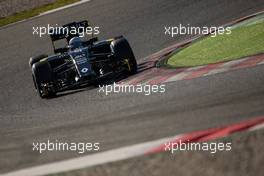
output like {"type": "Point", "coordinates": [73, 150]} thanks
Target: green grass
{"type": "Point", "coordinates": [33, 12]}
{"type": "Point", "coordinates": [243, 41]}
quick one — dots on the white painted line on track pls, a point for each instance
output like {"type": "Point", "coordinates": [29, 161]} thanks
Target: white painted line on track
{"type": "Point", "coordinates": [47, 12]}
{"type": "Point", "coordinates": [196, 68]}
{"type": "Point", "coordinates": [177, 77]}
{"type": "Point", "coordinates": [257, 127]}
{"type": "Point", "coordinates": [183, 74]}
{"type": "Point", "coordinates": [64, 7]}
{"type": "Point", "coordinates": [226, 66]}
{"type": "Point", "coordinates": [261, 63]}
{"type": "Point", "coordinates": [92, 159]}
{"type": "Point", "coordinates": [103, 157]}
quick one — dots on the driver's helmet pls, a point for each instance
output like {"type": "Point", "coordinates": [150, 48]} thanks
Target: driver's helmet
{"type": "Point", "coordinates": [75, 42]}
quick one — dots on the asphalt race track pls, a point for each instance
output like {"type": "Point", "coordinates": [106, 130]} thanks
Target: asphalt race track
{"type": "Point", "coordinates": [120, 119]}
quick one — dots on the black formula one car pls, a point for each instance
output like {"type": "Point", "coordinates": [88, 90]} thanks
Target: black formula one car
{"type": "Point", "coordinates": [80, 63]}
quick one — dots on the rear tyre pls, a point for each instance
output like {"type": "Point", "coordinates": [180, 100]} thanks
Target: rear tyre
{"type": "Point", "coordinates": [122, 50]}
{"type": "Point", "coordinates": [36, 59]}
{"type": "Point", "coordinates": [42, 75]}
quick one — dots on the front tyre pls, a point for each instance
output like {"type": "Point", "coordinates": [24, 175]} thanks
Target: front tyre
{"type": "Point", "coordinates": [43, 79]}
{"type": "Point", "coordinates": [123, 52]}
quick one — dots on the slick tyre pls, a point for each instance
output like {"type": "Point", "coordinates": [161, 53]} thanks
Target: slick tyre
{"type": "Point", "coordinates": [122, 50]}
{"type": "Point", "coordinates": [42, 74]}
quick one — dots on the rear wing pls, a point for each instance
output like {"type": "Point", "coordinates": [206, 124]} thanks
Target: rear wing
{"type": "Point", "coordinates": [68, 31]}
